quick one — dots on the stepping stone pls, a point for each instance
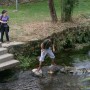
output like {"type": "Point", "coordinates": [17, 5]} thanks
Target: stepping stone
{"type": "Point", "coordinates": [53, 69]}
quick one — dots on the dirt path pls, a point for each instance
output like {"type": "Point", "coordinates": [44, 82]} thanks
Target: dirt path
{"type": "Point", "coordinates": [40, 30]}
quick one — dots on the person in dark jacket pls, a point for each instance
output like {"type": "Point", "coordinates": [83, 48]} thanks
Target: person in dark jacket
{"type": "Point", "coordinates": [46, 49]}
{"type": "Point", "coordinates": [4, 18]}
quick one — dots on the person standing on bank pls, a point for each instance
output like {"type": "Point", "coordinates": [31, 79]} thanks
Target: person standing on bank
{"type": "Point", "coordinates": [46, 49]}
{"type": "Point", "coordinates": [4, 18]}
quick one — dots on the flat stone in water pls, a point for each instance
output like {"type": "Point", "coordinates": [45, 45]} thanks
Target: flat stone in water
{"type": "Point", "coordinates": [37, 73]}
{"type": "Point", "coordinates": [53, 69]}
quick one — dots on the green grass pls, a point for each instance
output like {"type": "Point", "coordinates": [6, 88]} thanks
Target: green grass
{"type": "Point", "coordinates": [31, 12]}
{"type": "Point", "coordinates": [83, 7]}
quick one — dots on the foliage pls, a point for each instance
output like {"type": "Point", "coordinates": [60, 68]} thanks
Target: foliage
{"type": "Point", "coordinates": [71, 36]}
{"type": "Point", "coordinates": [27, 62]}
{"type": "Point", "coordinates": [63, 40]}
{"type": "Point", "coordinates": [67, 7]}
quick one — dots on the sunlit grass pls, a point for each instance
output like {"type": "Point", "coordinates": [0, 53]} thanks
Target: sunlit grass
{"type": "Point", "coordinates": [31, 12]}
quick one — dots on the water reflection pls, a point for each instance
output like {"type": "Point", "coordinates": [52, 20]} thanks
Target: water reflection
{"type": "Point", "coordinates": [82, 63]}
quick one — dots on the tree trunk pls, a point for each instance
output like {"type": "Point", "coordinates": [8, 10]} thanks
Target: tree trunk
{"type": "Point", "coordinates": [66, 10]}
{"type": "Point", "coordinates": [52, 11]}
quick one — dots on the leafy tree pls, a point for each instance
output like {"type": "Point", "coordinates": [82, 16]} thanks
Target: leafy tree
{"type": "Point", "coordinates": [67, 7]}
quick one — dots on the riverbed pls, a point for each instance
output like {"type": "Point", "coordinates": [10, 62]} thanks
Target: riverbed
{"type": "Point", "coordinates": [24, 80]}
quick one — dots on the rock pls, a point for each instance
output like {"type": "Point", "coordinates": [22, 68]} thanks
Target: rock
{"type": "Point", "coordinates": [68, 69]}
{"type": "Point", "coordinates": [53, 69]}
{"type": "Point", "coordinates": [37, 73]}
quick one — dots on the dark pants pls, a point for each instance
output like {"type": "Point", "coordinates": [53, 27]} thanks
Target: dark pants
{"type": "Point", "coordinates": [6, 31]}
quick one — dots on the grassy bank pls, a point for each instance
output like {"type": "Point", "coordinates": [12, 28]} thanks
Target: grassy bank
{"type": "Point", "coordinates": [39, 11]}
{"type": "Point", "coordinates": [35, 17]}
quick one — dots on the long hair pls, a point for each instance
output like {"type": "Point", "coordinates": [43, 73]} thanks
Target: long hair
{"type": "Point", "coordinates": [4, 11]}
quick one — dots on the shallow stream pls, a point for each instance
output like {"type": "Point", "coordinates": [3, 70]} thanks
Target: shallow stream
{"type": "Point", "coordinates": [24, 80]}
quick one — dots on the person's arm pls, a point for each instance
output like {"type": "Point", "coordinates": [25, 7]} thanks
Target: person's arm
{"type": "Point", "coordinates": [42, 46]}
{"type": "Point", "coordinates": [3, 22]}
{"type": "Point", "coordinates": [53, 47]}
{"type": "Point", "coordinates": [0, 21]}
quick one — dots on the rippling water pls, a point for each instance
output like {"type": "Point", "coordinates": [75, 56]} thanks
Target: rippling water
{"type": "Point", "coordinates": [24, 80]}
